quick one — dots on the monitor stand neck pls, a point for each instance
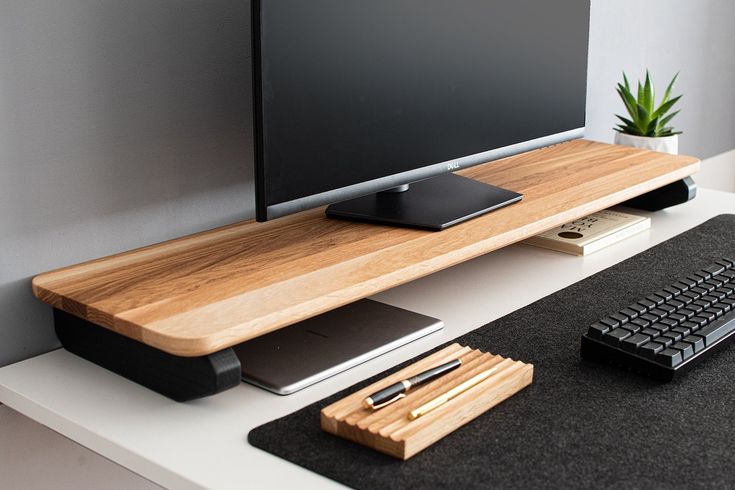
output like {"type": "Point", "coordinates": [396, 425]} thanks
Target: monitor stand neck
{"type": "Point", "coordinates": [432, 204]}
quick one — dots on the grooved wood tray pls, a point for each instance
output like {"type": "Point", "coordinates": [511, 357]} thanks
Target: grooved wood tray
{"type": "Point", "coordinates": [389, 429]}
{"type": "Point", "coordinates": [205, 292]}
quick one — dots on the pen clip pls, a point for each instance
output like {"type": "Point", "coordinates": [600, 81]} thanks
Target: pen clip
{"type": "Point", "coordinates": [394, 399]}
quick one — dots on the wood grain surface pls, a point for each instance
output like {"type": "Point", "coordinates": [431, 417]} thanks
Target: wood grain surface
{"type": "Point", "coordinates": [389, 430]}
{"type": "Point", "coordinates": [201, 293]}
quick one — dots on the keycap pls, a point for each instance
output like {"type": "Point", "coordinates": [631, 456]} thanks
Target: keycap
{"type": "Point", "coordinates": [650, 349]}
{"type": "Point", "coordinates": [695, 341]}
{"type": "Point", "coordinates": [658, 313]}
{"type": "Point", "coordinates": [638, 308]}
{"type": "Point", "coordinates": [660, 327]}
{"type": "Point", "coordinates": [674, 303]}
{"type": "Point", "coordinates": [693, 307]}
{"type": "Point", "coordinates": [655, 299]}
{"type": "Point", "coordinates": [667, 308]}
{"type": "Point", "coordinates": [678, 318]}
{"type": "Point", "coordinates": [714, 269]}
{"type": "Point", "coordinates": [682, 330]}
{"type": "Point", "coordinates": [668, 322]}
{"type": "Point", "coordinates": [672, 290]}
{"type": "Point", "coordinates": [647, 303]}
{"type": "Point", "coordinates": [675, 336]}
{"type": "Point", "coordinates": [681, 286]}
{"type": "Point", "coordinates": [619, 317]}
{"type": "Point", "coordinates": [729, 274]}
{"type": "Point", "coordinates": [700, 321]}
{"type": "Point", "coordinates": [663, 294]}
{"type": "Point", "coordinates": [707, 315]}
{"type": "Point", "coordinates": [632, 343]}
{"type": "Point", "coordinates": [652, 318]}
{"type": "Point", "coordinates": [694, 279]}
{"type": "Point", "coordinates": [669, 357]}
{"type": "Point", "coordinates": [688, 282]}
{"type": "Point", "coordinates": [716, 330]}
{"type": "Point", "coordinates": [630, 313]}
{"type": "Point", "coordinates": [699, 290]}
{"type": "Point", "coordinates": [614, 337]}
{"type": "Point", "coordinates": [702, 274]}
{"type": "Point", "coordinates": [597, 330]}
{"type": "Point", "coordinates": [640, 322]}
{"type": "Point", "coordinates": [691, 326]}
{"type": "Point", "coordinates": [610, 322]}
{"type": "Point", "coordinates": [726, 263]}
{"type": "Point", "coordinates": [650, 332]}
{"type": "Point", "coordinates": [685, 348]}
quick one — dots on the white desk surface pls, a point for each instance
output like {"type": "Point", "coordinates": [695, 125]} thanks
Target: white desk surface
{"type": "Point", "coordinates": [204, 443]}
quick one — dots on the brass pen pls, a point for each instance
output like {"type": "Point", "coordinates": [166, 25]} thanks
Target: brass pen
{"type": "Point", "coordinates": [453, 393]}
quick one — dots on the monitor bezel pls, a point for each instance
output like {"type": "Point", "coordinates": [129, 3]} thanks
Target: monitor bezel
{"type": "Point", "coordinates": [266, 212]}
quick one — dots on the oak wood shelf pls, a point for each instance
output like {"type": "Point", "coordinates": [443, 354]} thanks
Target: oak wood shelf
{"type": "Point", "coordinates": [205, 292]}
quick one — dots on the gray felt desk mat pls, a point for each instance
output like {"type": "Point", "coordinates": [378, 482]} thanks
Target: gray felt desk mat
{"type": "Point", "coordinates": [579, 424]}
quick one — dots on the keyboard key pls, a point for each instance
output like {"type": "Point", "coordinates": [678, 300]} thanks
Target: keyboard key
{"type": "Point", "coordinates": [647, 303]}
{"type": "Point", "coordinates": [716, 330]}
{"type": "Point", "coordinates": [710, 299]}
{"type": "Point", "coordinates": [700, 321]}
{"type": "Point", "coordinates": [714, 269]}
{"type": "Point", "coordinates": [658, 300]}
{"type": "Point", "coordinates": [726, 263]}
{"type": "Point", "coordinates": [658, 313]}
{"type": "Point", "coordinates": [677, 317]}
{"type": "Point", "coordinates": [712, 283]}
{"type": "Point", "coordinates": [729, 274]}
{"type": "Point", "coordinates": [597, 330]}
{"type": "Point", "coordinates": [619, 317]}
{"type": "Point", "coordinates": [684, 299]}
{"type": "Point", "coordinates": [650, 332]}
{"type": "Point", "coordinates": [708, 314]}
{"type": "Point", "coordinates": [665, 341]}
{"type": "Point", "coordinates": [632, 343]}
{"type": "Point", "coordinates": [721, 278]}
{"type": "Point", "coordinates": [686, 349]}
{"type": "Point", "coordinates": [660, 327]}
{"type": "Point", "coordinates": [675, 336]}
{"type": "Point", "coordinates": [703, 274]}
{"type": "Point", "coordinates": [668, 322]}
{"type": "Point", "coordinates": [686, 313]}
{"type": "Point", "coordinates": [667, 308]}
{"type": "Point", "coordinates": [691, 326]}
{"type": "Point", "coordinates": [691, 295]}
{"type": "Point", "coordinates": [694, 279]}
{"type": "Point", "coordinates": [682, 330]}
{"type": "Point", "coordinates": [719, 294]}
{"type": "Point", "coordinates": [663, 294]}
{"type": "Point", "coordinates": [672, 290]}
{"type": "Point", "coordinates": [652, 318]}
{"type": "Point", "coordinates": [638, 308]}
{"type": "Point", "coordinates": [717, 311]}
{"type": "Point", "coordinates": [614, 337]}
{"type": "Point", "coordinates": [675, 303]}
{"type": "Point", "coordinates": [682, 286]}
{"type": "Point", "coordinates": [610, 322]}
{"type": "Point", "coordinates": [693, 307]}
{"type": "Point", "coordinates": [650, 349]}
{"type": "Point", "coordinates": [695, 341]}
{"type": "Point", "coordinates": [641, 322]}
{"type": "Point", "coordinates": [631, 327]}
{"type": "Point", "coordinates": [688, 282]}
{"type": "Point", "coordinates": [698, 290]}
{"type": "Point", "coordinates": [669, 357]}
{"type": "Point", "coordinates": [631, 314]}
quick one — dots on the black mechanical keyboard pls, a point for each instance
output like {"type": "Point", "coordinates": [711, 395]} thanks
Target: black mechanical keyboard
{"type": "Point", "coordinates": [668, 332]}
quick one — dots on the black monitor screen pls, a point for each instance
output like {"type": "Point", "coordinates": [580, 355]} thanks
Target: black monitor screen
{"type": "Point", "coordinates": [349, 91]}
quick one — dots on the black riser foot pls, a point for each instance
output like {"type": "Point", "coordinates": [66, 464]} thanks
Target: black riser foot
{"type": "Point", "coordinates": [179, 378]}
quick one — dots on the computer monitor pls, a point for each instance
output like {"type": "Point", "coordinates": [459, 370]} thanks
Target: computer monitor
{"type": "Point", "coordinates": [370, 106]}
{"type": "Point", "coordinates": [357, 97]}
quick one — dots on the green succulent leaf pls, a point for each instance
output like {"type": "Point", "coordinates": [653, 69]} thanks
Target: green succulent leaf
{"type": "Point", "coordinates": [645, 119]}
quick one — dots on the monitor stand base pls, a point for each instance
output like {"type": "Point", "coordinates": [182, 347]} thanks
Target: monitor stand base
{"type": "Point", "coordinates": [433, 204]}
{"type": "Point", "coordinates": [297, 356]}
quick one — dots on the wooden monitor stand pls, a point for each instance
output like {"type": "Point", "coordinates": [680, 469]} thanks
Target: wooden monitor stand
{"type": "Point", "coordinates": [197, 296]}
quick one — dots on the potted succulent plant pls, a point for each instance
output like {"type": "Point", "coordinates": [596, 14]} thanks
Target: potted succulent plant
{"type": "Point", "coordinates": [648, 124]}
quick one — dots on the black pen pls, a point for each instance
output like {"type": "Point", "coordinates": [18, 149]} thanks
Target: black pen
{"type": "Point", "coordinates": [396, 391]}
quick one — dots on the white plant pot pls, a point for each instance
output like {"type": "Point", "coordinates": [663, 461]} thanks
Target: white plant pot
{"type": "Point", "coordinates": [665, 144]}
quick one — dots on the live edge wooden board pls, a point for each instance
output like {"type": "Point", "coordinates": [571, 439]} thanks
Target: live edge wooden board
{"type": "Point", "coordinates": [202, 293]}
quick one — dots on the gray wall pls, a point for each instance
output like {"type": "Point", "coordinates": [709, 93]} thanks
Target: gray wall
{"type": "Point", "coordinates": [127, 122]}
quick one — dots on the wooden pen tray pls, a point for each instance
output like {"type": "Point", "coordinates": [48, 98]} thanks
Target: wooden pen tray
{"type": "Point", "coordinates": [389, 429]}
